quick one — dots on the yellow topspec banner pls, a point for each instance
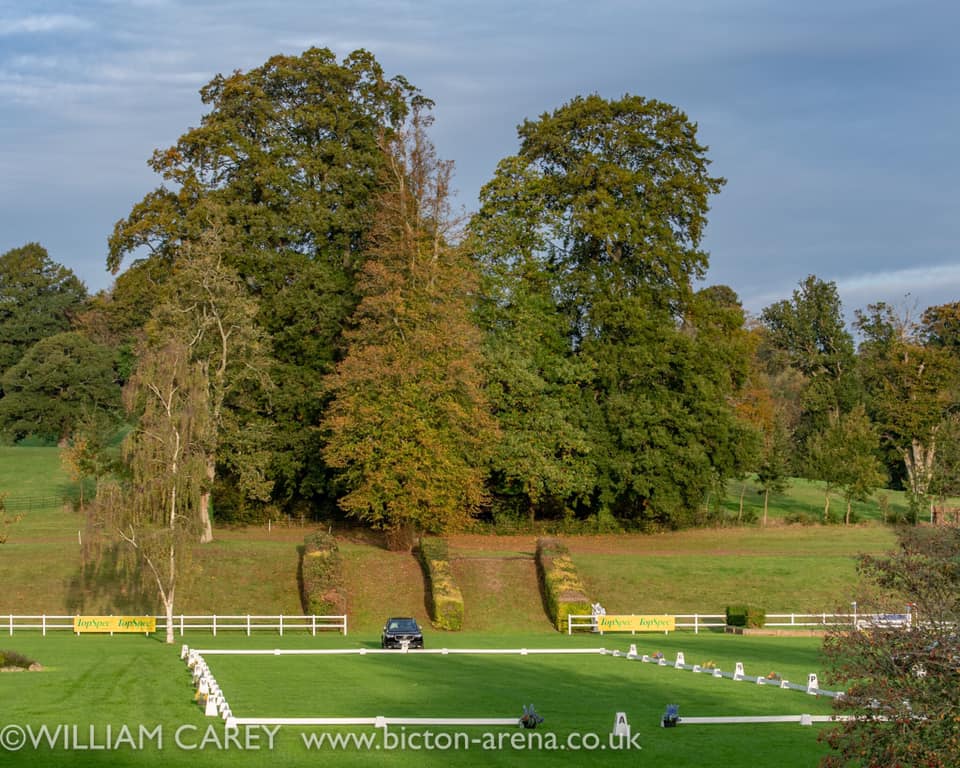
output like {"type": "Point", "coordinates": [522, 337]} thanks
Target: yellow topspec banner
{"type": "Point", "coordinates": [114, 624]}
{"type": "Point", "coordinates": [607, 623]}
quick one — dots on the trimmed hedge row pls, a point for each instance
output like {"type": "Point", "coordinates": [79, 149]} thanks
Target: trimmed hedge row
{"type": "Point", "coordinates": [15, 659]}
{"type": "Point", "coordinates": [445, 599]}
{"type": "Point", "coordinates": [563, 592]}
{"type": "Point", "coordinates": [322, 576]}
{"type": "Point", "coordinates": [745, 616]}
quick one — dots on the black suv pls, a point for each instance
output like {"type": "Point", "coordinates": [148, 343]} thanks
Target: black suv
{"type": "Point", "coordinates": [400, 630]}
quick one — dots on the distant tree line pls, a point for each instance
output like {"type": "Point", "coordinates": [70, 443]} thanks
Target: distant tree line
{"type": "Point", "coordinates": [307, 327]}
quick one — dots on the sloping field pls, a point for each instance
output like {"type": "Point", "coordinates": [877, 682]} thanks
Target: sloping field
{"type": "Point", "coordinates": [786, 569]}
{"type": "Point", "coordinates": [381, 584]}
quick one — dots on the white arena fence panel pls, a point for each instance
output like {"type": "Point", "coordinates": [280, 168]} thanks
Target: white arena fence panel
{"type": "Point", "coordinates": [245, 623]}
{"type": "Point", "coordinates": [698, 621]}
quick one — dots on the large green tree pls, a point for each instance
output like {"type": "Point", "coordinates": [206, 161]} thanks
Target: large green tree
{"type": "Point", "coordinates": [844, 457]}
{"type": "Point", "coordinates": [289, 152]}
{"type": "Point", "coordinates": [607, 201]}
{"type": "Point", "coordinates": [206, 307]}
{"type": "Point", "coordinates": [408, 425]}
{"type": "Point", "coordinates": [541, 464]}
{"type": "Point", "coordinates": [911, 388]}
{"type": "Point", "coordinates": [57, 383]}
{"type": "Point", "coordinates": [807, 333]}
{"type": "Point", "coordinates": [38, 298]}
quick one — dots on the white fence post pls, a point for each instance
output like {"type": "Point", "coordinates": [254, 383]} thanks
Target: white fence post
{"type": "Point", "coordinates": [214, 625]}
{"type": "Point", "coordinates": [281, 625]}
{"type": "Point", "coordinates": [248, 625]}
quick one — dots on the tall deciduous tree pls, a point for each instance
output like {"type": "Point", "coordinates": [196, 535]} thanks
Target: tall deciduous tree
{"type": "Point", "coordinates": [57, 381]}
{"type": "Point", "coordinates": [289, 152]}
{"type": "Point", "coordinates": [155, 512]}
{"type": "Point", "coordinates": [808, 334]}
{"type": "Point", "coordinates": [541, 464]}
{"type": "Point", "coordinates": [408, 424]}
{"type": "Point", "coordinates": [911, 390]}
{"type": "Point", "coordinates": [38, 298]}
{"type": "Point", "coordinates": [606, 203]}
{"type": "Point", "coordinates": [844, 456]}
{"type": "Point", "coordinates": [773, 468]}
{"type": "Point", "coordinates": [209, 310]}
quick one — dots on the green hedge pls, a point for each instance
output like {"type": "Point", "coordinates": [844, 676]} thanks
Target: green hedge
{"type": "Point", "coordinates": [15, 659]}
{"type": "Point", "coordinates": [445, 600]}
{"type": "Point", "coordinates": [745, 616]}
{"type": "Point", "coordinates": [322, 576]}
{"type": "Point", "coordinates": [563, 592]}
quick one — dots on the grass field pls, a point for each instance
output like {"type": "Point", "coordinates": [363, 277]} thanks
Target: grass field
{"type": "Point", "coordinates": [96, 682]}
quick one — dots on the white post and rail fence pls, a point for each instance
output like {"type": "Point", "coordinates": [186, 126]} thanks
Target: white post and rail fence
{"type": "Point", "coordinates": [246, 623]}
{"type": "Point", "coordinates": [634, 623]}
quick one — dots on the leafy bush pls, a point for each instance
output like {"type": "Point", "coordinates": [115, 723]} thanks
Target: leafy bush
{"type": "Point", "coordinates": [445, 599]}
{"type": "Point", "coordinates": [321, 576]}
{"type": "Point", "coordinates": [15, 659]}
{"type": "Point", "coordinates": [745, 616]}
{"type": "Point", "coordinates": [563, 592]}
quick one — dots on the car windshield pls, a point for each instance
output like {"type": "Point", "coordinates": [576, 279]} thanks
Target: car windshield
{"type": "Point", "coordinates": [402, 625]}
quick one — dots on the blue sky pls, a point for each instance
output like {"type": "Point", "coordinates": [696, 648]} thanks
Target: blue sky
{"type": "Point", "coordinates": [835, 122]}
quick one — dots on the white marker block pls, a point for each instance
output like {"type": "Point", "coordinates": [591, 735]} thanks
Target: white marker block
{"type": "Point", "coordinates": [645, 658]}
{"type": "Point", "coordinates": [621, 727]}
{"type": "Point", "coordinates": [813, 685]}
{"type": "Point", "coordinates": [717, 672]}
{"type": "Point", "coordinates": [184, 650]}
{"type": "Point", "coordinates": [738, 671]}
{"type": "Point", "coordinates": [806, 720]}
{"type": "Point", "coordinates": [678, 664]}
{"type": "Point", "coordinates": [632, 653]}
{"type": "Point", "coordinates": [784, 683]}
{"type": "Point", "coordinates": [210, 710]}
{"type": "Point", "coordinates": [696, 668]}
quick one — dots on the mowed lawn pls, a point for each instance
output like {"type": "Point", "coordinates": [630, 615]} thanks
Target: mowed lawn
{"type": "Point", "coordinates": [102, 684]}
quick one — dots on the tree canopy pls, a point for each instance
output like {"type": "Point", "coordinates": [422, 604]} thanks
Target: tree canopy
{"type": "Point", "coordinates": [598, 221]}
{"type": "Point", "coordinates": [408, 424]}
{"type": "Point", "coordinates": [38, 298]}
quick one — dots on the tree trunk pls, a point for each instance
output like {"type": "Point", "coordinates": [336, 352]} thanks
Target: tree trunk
{"type": "Point", "coordinates": [846, 520]}
{"type": "Point", "coordinates": [168, 610]}
{"type": "Point", "coordinates": [918, 460]}
{"type": "Point", "coordinates": [826, 507]}
{"type": "Point", "coordinates": [766, 497]}
{"type": "Point", "coordinates": [743, 490]}
{"type": "Point", "coordinates": [206, 536]}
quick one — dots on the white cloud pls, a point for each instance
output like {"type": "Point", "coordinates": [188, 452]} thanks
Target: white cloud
{"type": "Point", "coordinates": [40, 24]}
